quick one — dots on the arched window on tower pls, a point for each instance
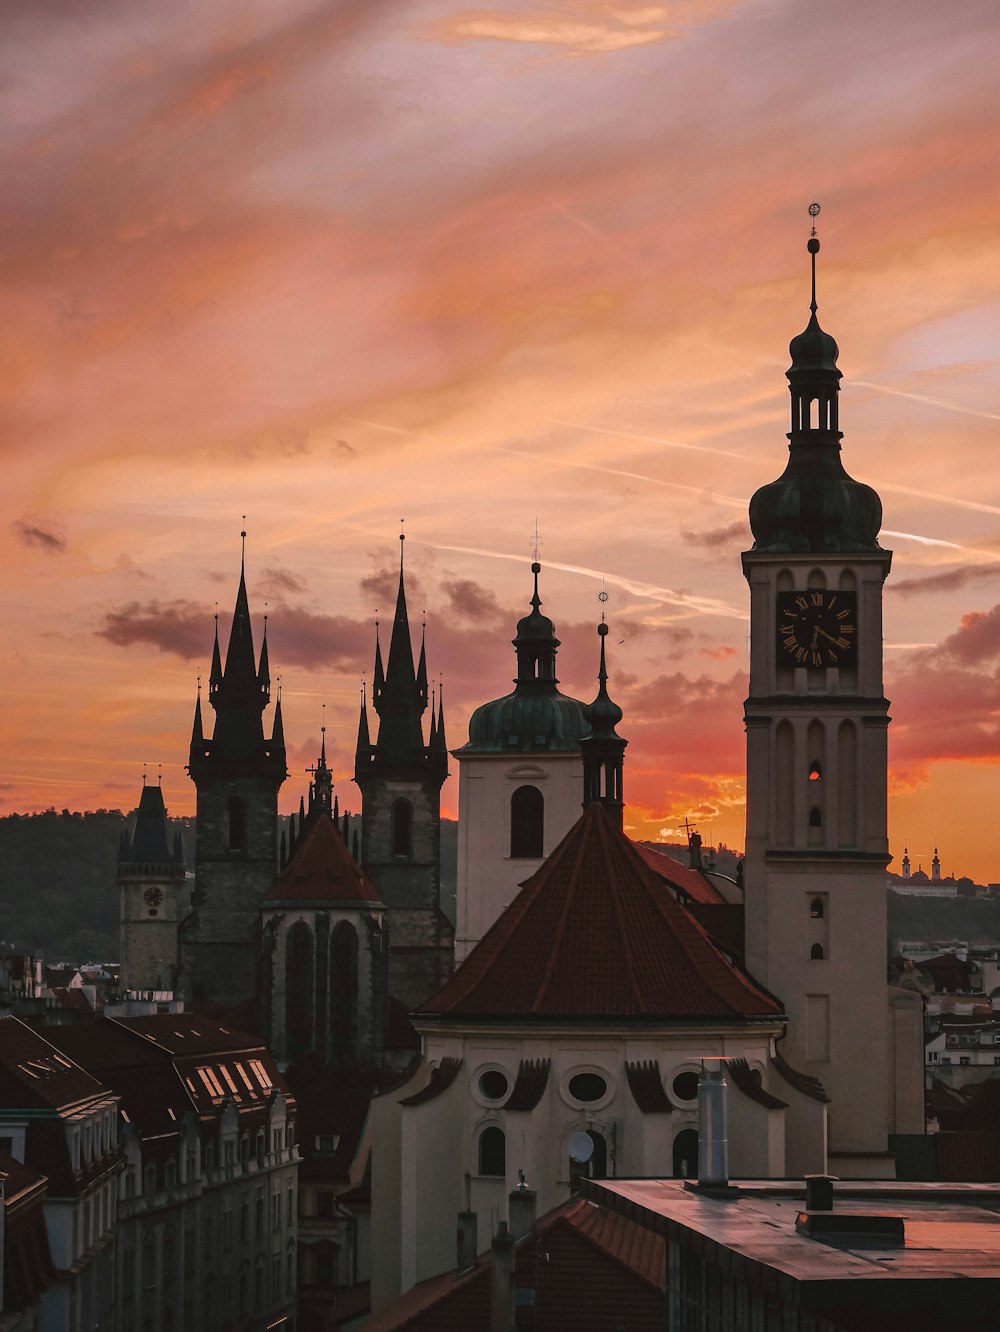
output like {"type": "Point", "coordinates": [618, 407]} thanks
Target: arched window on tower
{"type": "Point", "coordinates": [492, 1152]}
{"type": "Point", "coordinates": [816, 953]}
{"type": "Point", "coordinates": [816, 908]}
{"type": "Point", "coordinates": [299, 988]}
{"type": "Point", "coordinates": [236, 824]}
{"type": "Point", "coordinates": [402, 828]}
{"type": "Point", "coordinates": [343, 988]}
{"type": "Point", "coordinates": [815, 818]}
{"type": "Point", "coordinates": [527, 823]}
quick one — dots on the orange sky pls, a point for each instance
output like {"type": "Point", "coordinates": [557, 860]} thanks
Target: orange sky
{"type": "Point", "coordinates": [330, 264]}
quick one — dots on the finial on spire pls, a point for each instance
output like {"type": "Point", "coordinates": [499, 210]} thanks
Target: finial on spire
{"type": "Point", "coordinates": [602, 597]}
{"type": "Point", "coordinates": [402, 539]}
{"type": "Point", "coordinates": [536, 543]}
{"type": "Point", "coordinates": [144, 774]}
{"type": "Point", "coordinates": [243, 542]}
{"type": "Point", "coordinates": [812, 245]}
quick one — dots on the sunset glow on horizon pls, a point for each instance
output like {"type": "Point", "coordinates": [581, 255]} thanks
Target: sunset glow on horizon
{"type": "Point", "coordinates": [330, 265]}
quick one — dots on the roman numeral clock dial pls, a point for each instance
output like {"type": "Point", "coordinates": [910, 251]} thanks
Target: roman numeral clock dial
{"type": "Point", "coordinates": [817, 628]}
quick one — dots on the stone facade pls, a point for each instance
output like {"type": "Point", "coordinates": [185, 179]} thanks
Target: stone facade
{"type": "Point", "coordinates": [151, 895]}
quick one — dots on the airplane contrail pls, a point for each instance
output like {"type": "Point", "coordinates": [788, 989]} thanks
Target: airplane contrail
{"type": "Point", "coordinates": [943, 403]}
{"type": "Point", "coordinates": [653, 592]}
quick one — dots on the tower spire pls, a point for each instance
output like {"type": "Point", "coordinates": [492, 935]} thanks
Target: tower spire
{"type": "Point", "coordinates": [399, 695]}
{"type": "Point", "coordinates": [815, 506]}
{"type": "Point", "coordinates": [603, 749]}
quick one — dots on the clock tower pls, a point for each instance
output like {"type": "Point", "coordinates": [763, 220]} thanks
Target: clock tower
{"type": "Point", "coordinates": [816, 722]}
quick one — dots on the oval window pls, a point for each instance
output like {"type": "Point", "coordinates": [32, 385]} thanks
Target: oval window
{"type": "Point", "coordinates": [685, 1086]}
{"type": "Point", "coordinates": [587, 1086]}
{"type": "Point", "coordinates": [493, 1085]}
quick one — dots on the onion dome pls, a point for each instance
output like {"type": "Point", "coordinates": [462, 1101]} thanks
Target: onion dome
{"type": "Point", "coordinates": [815, 506]}
{"type": "Point", "coordinates": [536, 717]}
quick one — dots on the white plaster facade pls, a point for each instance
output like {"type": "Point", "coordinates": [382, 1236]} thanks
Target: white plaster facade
{"type": "Point", "coordinates": [488, 875]}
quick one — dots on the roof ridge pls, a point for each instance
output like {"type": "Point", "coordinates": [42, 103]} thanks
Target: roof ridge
{"type": "Point", "coordinates": [607, 1218]}
{"type": "Point", "coordinates": [560, 929]}
{"type": "Point", "coordinates": [618, 910]}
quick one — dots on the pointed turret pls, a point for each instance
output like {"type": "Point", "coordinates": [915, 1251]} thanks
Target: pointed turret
{"type": "Point", "coordinates": [401, 699]}
{"type": "Point", "coordinates": [603, 749]}
{"type": "Point", "coordinates": [363, 749]}
{"type": "Point", "coordinates": [422, 665]}
{"type": "Point", "coordinates": [239, 692]}
{"type": "Point", "coordinates": [215, 678]}
{"type": "Point", "coordinates": [378, 678]}
{"type": "Point", "coordinates": [814, 506]}
{"type": "Point", "coordinates": [263, 672]}
{"type": "Point", "coordinates": [197, 730]}
{"type": "Point", "coordinates": [278, 729]}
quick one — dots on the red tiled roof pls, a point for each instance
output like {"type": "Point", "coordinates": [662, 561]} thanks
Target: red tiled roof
{"type": "Point", "coordinates": [34, 1072]}
{"type": "Point", "coordinates": [690, 882]}
{"type": "Point", "coordinates": [599, 1266]}
{"type": "Point", "coordinates": [592, 933]}
{"type": "Point", "coordinates": [723, 923]}
{"type": "Point", "coordinates": [322, 869]}
{"type": "Point", "coordinates": [969, 1157]}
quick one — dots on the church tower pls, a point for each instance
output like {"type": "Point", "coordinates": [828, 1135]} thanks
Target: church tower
{"type": "Point", "coordinates": [816, 722]}
{"type": "Point", "coordinates": [150, 885]}
{"type": "Point", "coordinates": [237, 774]}
{"type": "Point", "coordinates": [400, 779]}
{"type": "Point", "coordinates": [519, 780]}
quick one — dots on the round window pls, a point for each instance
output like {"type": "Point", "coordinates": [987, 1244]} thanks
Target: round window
{"type": "Point", "coordinates": [587, 1086]}
{"type": "Point", "coordinates": [685, 1086]}
{"type": "Point", "coordinates": [493, 1085]}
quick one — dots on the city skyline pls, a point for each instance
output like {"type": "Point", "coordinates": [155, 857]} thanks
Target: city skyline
{"type": "Point", "coordinates": [482, 267]}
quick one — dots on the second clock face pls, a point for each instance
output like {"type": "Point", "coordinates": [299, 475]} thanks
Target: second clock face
{"type": "Point", "coordinates": [818, 628]}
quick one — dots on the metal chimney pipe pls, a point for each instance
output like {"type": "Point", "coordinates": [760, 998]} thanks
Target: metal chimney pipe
{"type": "Point", "coordinates": [713, 1145]}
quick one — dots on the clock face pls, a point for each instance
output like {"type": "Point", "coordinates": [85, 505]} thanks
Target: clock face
{"type": "Point", "coordinates": [153, 897]}
{"type": "Point", "coordinates": [818, 628]}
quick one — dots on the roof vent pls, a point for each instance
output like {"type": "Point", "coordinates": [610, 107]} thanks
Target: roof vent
{"type": "Point", "coordinates": [850, 1230]}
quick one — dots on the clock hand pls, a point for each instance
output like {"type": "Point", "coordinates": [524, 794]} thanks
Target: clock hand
{"type": "Point", "coordinates": [813, 644]}
{"type": "Point", "coordinates": [829, 636]}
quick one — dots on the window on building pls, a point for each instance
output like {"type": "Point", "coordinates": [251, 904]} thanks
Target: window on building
{"type": "Point", "coordinates": [527, 823]}
{"type": "Point", "coordinates": [815, 817]}
{"type": "Point", "coordinates": [964, 1059]}
{"type": "Point", "coordinates": [289, 1205]}
{"type": "Point", "coordinates": [815, 773]}
{"type": "Point", "coordinates": [324, 1204]}
{"type": "Point", "coordinates": [299, 988]}
{"type": "Point", "coordinates": [598, 1163]}
{"type": "Point", "coordinates": [260, 1212]}
{"type": "Point", "coordinates": [402, 828]}
{"type": "Point", "coordinates": [236, 825]}
{"type": "Point", "coordinates": [343, 988]}
{"type": "Point", "coordinates": [816, 953]}
{"type": "Point", "coordinates": [686, 1154]}
{"type": "Point", "coordinates": [492, 1152]}
{"type": "Point", "coordinates": [816, 910]}
{"type": "Point", "coordinates": [245, 1219]}
{"type": "Point", "coordinates": [149, 1179]}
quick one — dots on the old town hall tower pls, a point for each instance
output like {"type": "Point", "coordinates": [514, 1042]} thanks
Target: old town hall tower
{"type": "Point", "coordinates": [816, 721]}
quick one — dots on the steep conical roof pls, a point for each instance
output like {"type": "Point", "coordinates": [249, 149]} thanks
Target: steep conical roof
{"type": "Point", "coordinates": [593, 933]}
{"type": "Point", "coordinates": [321, 868]}
{"type": "Point", "coordinates": [150, 843]}
{"type": "Point", "coordinates": [400, 696]}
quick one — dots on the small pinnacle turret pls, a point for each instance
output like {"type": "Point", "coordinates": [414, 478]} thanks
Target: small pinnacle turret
{"type": "Point", "coordinates": [603, 749]}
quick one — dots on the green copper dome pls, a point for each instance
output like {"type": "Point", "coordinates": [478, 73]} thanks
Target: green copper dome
{"type": "Point", "coordinates": [536, 717]}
